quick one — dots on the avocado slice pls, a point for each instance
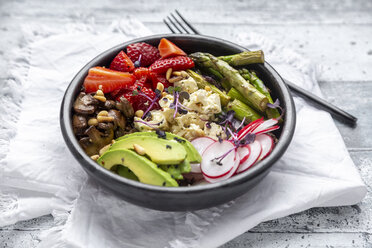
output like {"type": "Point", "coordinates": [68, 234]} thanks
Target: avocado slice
{"type": "Point", "coordinates": [193, 155]}
{"type": "Point", "coordinates": [126, 172]}
{"type": "Point", "coordinates": [176, 170]}
{"type": "Point", "coordinates": [146, 171]}
{"type": "Point", "coordinates": [160, 151]}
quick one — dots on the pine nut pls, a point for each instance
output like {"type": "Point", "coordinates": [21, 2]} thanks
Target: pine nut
{"type": "Point", "coordinates": [105, 119]}
{"type": "Point", "coordinates": [139, 149]}
{"type": "Point", "coordinates": [103, 113]}
{"type": "Point", "coordinates": [93, 122]}
{"type": "Point", "coordinates": [175, 79]}
{"type": "Point", "coordinates": [100, 98]}
{"type": "Point", "coordinates": [184, 74]}
{"type": "Point", "coordinates": [207, 88]}
{"type": "Point", "coordinates": [176, 73]}
{"type": "Point", "coordinates": [168, 74]}
{"type": "Point", "coordinates": [99, 93]}
{"type": "Point", "coordinates": [100, 86]}
{"type": "Point", "coordinates": [164, 94]}
{"type": "Point", "coordinates": [139, 113]}
{"type": "Point", "coordinates": [160, 86]}
{"type": "Point", "coordinates": [94, 157]}
{"type": "Point", "coordinates": [104, 149]}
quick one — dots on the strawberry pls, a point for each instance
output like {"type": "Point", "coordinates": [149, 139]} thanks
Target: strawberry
{"type": "Point", "coordinates": [122, 63]}
{"type": "Point", "coordinates": [139, 101]}
{"type": "Point", "coordinates": [159, 78]}
{"type": "Point", "coordinates": [109, 79]}
{"type": "Point", "coordinates": [149, 54]}
{"type": "Point", "coordinates": [143, 77]}
{"type": "Point", "coordinates": [168, 49]}
{"type": "Point", "coordinates": [176, 63]}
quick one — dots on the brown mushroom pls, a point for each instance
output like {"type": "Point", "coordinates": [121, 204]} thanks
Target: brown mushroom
{"type": "Point", "coordinates": [79, 123]}
{"type": "Point", "coordinates": [125, 107]}
{"type": "Point", "coordinates": [109, 104]}
{"type": "Point", "coordinates": [85, 104]}
{"type": "Point", "coordinates": [96, 140]}
{"type": "Point", "coordinates": [119, 119]}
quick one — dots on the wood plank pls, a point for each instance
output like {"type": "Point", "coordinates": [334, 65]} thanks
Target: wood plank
{"type": "Point", "coordinates": [295, 240]}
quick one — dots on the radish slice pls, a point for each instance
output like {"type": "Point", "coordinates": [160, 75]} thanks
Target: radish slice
{"type": "Point", "coordinates": [245, 130]}
{"type": "Point", "coordinates": [253, 157]}
{"type": "Point", "coordinates": [200, 144]}
{"type": "Point", "coordinates": [195, 168]}
{"type": "Point", "coordinates": [264, 125]}
{"type": "Point", "coordinates": [215, 168]}
{"type": "Point", "coordinates": [228, 175]}
{"type": "Point", "coordinates": [244, 152]}
{"type": "Point", "coordinates": [267, 145]}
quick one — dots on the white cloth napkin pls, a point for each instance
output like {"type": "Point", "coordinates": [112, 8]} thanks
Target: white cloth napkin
{"type": "Point", "coordinates": [39, 175]}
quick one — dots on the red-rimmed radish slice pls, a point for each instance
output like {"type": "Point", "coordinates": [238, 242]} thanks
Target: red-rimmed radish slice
{"type": "Point", "coordinates": [244, 152]}
{"type": "Point", "coordinates": [245, 130]}
{"type": "Point", "coordinates": [213, 167]}
{"type": "Point", "coordinates": [228, 175]}
{"type": "Point", "coordinates": [200, 145]}
{"type": "Point", "coordinates": [267, 145]}
{"type": "Point", "coordinates": [267, 130]}
{"type": "Point", "coordinates": [253, 157]}
{"type": "Point", "coordinates": [265, 125]}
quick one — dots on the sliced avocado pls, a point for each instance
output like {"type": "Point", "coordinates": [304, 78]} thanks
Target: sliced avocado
{"type": "Point", "coordinates": [192, 154]}
{"type": "Point", "coordinates": [146, 171]}
{"type": "Point", "coordinates": [160, 151]}
{"type": "Point", "coordinates": [126, 172]}
{"type": "Point", "coordinates": [173, 170]}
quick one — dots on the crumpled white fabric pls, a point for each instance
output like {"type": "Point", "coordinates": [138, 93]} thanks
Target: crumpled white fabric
{"type": "Point", "coordinates": [39, 175]}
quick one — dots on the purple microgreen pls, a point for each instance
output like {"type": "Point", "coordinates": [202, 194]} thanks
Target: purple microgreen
{"type": "Point", "coordinates": [184, 95]}
{"type": "Point", "coordinates": [220, 158]}
{"type": "Point", "coordinates": [155, 125]}
{"type": "Point", "coordinates": [134, 93]}
{"type": "Point", "coordinates": [177, 106]}
{"type": "Point", "coordinates": [240, 125]}
{"type": "Point", "coordinates": [276, 105]}
{"type": "Point", "coordinates": [208, 125]}
{"type": "Point", "coordinates": [137, 63]}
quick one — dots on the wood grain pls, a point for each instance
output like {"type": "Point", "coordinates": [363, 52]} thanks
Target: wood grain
{"type": "Point", "coordinates": [337, 35]}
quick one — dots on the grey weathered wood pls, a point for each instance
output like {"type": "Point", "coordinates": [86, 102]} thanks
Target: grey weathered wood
{"type": "Point", "coordinates": [335, 34]}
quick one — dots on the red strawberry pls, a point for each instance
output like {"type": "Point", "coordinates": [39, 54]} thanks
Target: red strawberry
{"type": "Point", "coordinates": [122, 63]}
{"type": "Point", "coordinates": [143, 77]}
{"type": "Point", "coordinates": [138, 101]}
{"type": "Point", "coordinates": [149, 53]}
{"type": "Point", "coordinates": [159, 78]}
{"type": "Point", "coordinates": [176, 63]}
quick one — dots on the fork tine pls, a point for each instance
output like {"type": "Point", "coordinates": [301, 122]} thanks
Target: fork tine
{"type": "Point", "coordinates": [183, 27]}
{"type": "Point", "coordinates": [187, 23]}
{"type": "Point", "coordinates": [170, 20]}
{"type": "Point", "coordinates": [169, 26]}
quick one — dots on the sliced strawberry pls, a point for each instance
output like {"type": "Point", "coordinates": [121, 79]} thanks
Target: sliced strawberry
{"type": "Point", "coordinates": [141, 72]}
{"type": "Point", "coordinates": [159, 78]}
{"type": "Point", "coordinates": [168, 49]}
{"type": "Point", "coordinates": [176, 63]}
{"type": "Point", "coordinates": [109, 79]}
{"type": "Point", "coordinates": [122, 63]}
{"type": "Point", "coordinates": [138, 101]}
{"type": "Point", "coordinates": [149, 54]}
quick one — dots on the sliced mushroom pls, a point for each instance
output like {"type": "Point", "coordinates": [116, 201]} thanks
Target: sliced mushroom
{"type": "Point", "coordinates": [125, 107]}
{"type": "Point", "coordinates": [119, 119]}
{"type": "Point", "coordinates": [109, 104]}
{"type": "Point", "coordinates": [96, 140]}
{"type": "Point", "coordinates": [105, 126]}
{"type": "Point", "coordinates": [85, 104]}
{"type": "Point", "coordinates": [79, 123]}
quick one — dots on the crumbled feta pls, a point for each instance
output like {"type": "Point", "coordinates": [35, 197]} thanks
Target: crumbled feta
{"type": "Point", "coordinates": [188, 84]}
{"type": "Point", "coordinates": [214, 131]}
{"type": "Point", "coordinates": [204, 102]}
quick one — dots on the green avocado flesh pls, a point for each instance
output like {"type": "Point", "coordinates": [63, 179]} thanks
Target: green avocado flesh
{"type": "Point", "coordinates": [177, 170]}
{"type": "Point", "coordinates": [127, 173]}
{"type": "Point", "coordinates": [145, 170]}
{"type": "Point", "coordinates": [160, 151]}
{"type": "Point", "coordinates": [193, 155]}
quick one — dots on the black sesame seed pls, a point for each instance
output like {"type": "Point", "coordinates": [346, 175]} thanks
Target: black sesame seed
{"type": "Point", "coordinates": [163, 183]}
{"type": "Point", "coordinates": [122, 160]}
{"type": "Point", "coordinates": [168, 147]}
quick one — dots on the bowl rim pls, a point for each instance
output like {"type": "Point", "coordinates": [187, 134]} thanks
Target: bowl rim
{"type": "Point", "coordinates": [83, 159]}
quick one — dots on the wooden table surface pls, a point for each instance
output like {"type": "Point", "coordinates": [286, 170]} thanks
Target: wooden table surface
{"type": "Point", "coordinates": [335, 34]}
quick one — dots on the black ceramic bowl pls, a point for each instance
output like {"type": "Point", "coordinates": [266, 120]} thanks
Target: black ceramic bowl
{"type": "Point", "coordinates": [181, 198]}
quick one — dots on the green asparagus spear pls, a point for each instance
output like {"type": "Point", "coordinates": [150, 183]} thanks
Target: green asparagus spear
{"type": "Point", "coordinates": [256, 98]}
{"type": "Point", "coordinates": [244, 58]}
{"type": "Point", "coordinates": [257, 82]}
{"type": "Point", "coordinates": [242, 110]}
{"type": "Point", "coordinates": [201, 82]}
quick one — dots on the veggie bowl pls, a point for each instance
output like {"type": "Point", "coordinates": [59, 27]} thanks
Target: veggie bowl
{"type": "Point", "coordinates": [177, 122]}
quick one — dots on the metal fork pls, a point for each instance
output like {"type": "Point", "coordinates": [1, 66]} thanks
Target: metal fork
{"type": "Point", "coordinates": [179, 24]}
